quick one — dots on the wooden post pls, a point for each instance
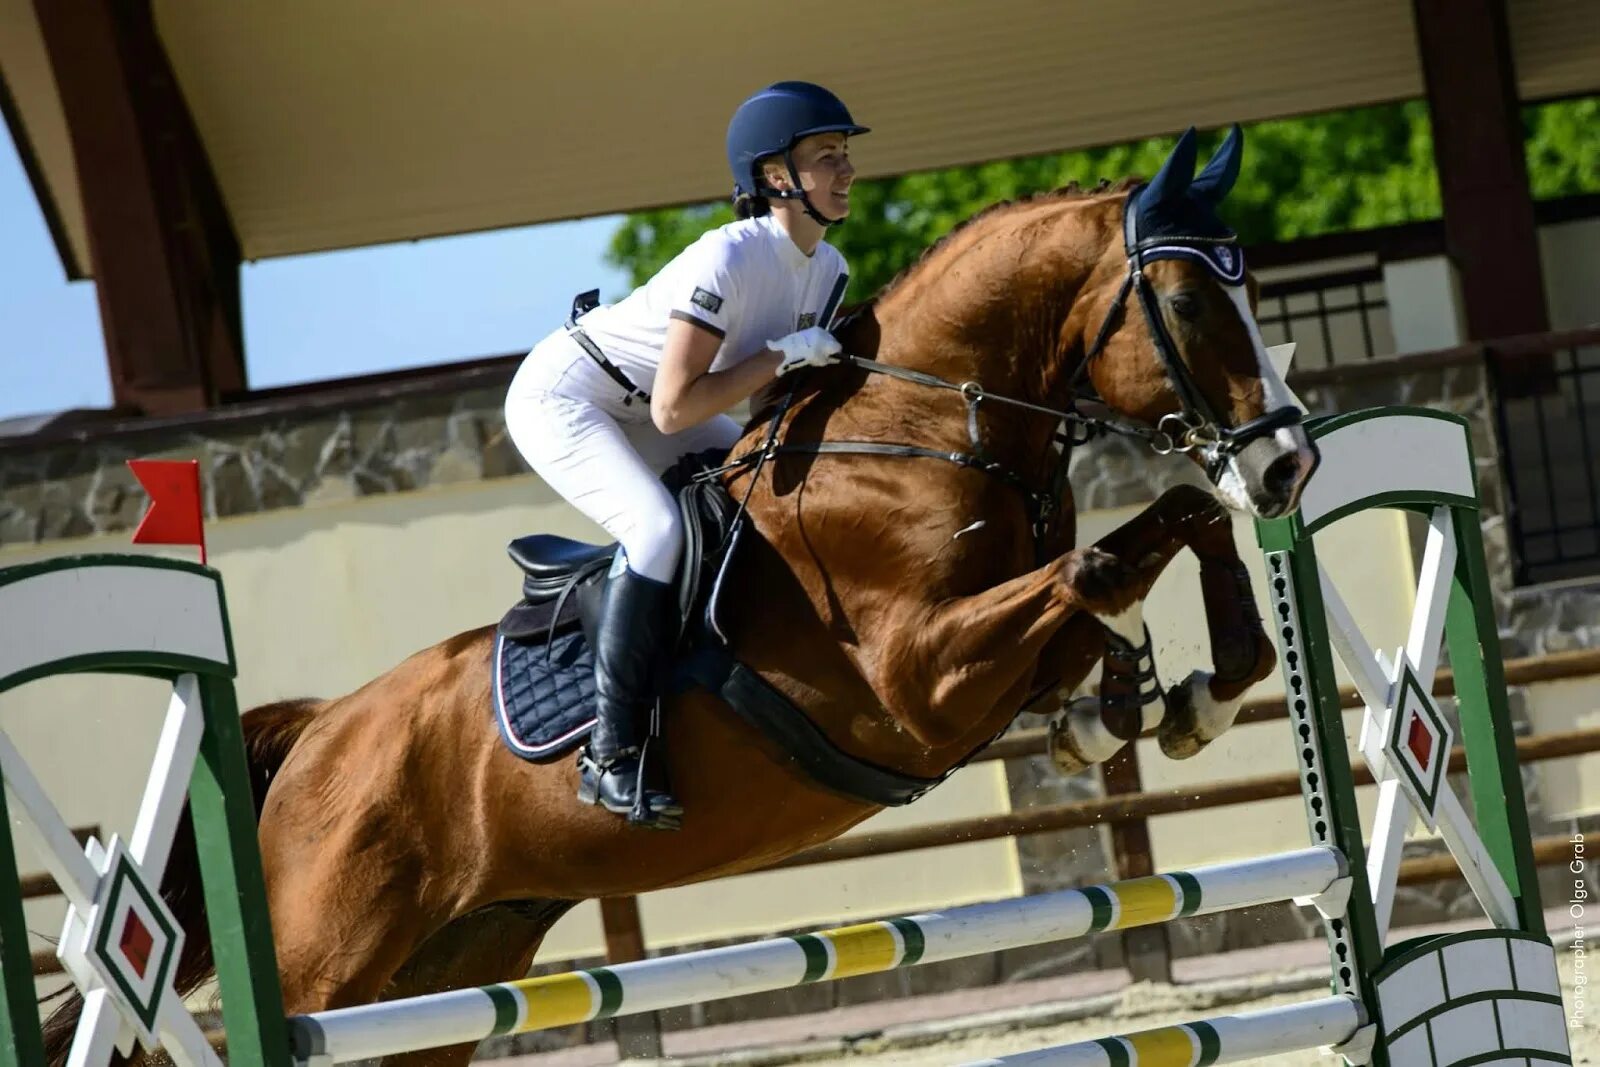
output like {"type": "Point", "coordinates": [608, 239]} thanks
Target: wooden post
{"type": "Point", "coordinates": [1489, 228]}
{"type": "Point", "coordinates": [1145, 949]}
{"type": "Point", "coordinates": [638, 1036]}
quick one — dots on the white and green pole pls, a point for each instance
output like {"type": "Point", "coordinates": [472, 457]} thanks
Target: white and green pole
{"type": "Point", "coordinates": [139, 615]}
{"type": "Point", "coordinates": [780, 963]}
{"type": "Point", "coordinates": [1226, 1039]}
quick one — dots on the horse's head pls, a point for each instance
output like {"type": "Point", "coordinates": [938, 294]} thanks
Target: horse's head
{"type": "Point", "coordinates": [1168, 317]}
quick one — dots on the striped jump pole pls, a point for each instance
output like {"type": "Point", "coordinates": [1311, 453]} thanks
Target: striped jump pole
{"type": "Point", "coordinates": [1227, 1039]}
{"type": "Point", "coordinates": [467, 1015]}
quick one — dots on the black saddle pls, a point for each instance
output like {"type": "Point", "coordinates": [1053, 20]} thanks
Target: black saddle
{"type": "Point", "coordinates": [562, 576]}
{"type": "Point", "coordinates": [550, 562]}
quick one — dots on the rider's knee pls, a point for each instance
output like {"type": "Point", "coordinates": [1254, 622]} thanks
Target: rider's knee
{"type": "Point", "coordinates": [653, 542]}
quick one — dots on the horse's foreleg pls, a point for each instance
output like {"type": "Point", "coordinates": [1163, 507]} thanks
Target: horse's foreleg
{"type": "Point", "coordinates": [492, 944]}
{"type": "Point", "coordinates": [1201, 707]}
{"type": "Point", "coordinates": [1128, 701]}
{"type": "Point", "coordinates": [948, 667]}
{"type": "Point", "coordinates": [1204, 705]}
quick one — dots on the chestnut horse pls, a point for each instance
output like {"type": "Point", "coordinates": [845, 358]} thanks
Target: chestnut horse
{"type": "Point", "coordinates": [908, 604]}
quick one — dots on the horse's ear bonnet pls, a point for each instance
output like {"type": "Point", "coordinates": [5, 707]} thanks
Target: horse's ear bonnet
{"type": "Point", "coordinates": [1174, 216]}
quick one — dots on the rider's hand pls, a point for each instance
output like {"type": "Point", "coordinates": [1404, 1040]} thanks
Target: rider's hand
{"type": "Point", "coordinates": [810, 347]}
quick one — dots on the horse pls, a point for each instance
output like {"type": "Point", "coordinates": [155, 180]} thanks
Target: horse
{"type": "Point", "coordinates": [909, 598]}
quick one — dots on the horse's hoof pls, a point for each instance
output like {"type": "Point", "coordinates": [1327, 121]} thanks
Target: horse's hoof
{"type": "Point", "coordinates": [1194, 718]}
{"type": "Point", "coordinates": [1062, 751]}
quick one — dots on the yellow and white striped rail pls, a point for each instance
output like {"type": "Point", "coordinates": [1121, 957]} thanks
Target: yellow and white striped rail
{"type": "Point", "coordinates": [1225, 1039]}
{"type": "Point", "coordinates": [694, 977]}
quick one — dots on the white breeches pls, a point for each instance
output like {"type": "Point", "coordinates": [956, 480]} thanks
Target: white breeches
{"type": "Point", "coordinates": [604, 457]}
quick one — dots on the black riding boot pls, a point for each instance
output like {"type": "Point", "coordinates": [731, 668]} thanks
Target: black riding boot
{"type": "Point", "coordinates": [634, 628]}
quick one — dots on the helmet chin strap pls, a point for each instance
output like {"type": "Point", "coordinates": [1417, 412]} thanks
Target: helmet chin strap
{"type": "Point", "coordinates": [798, 193]}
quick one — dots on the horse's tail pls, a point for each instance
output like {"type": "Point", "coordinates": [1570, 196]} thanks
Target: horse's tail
{"type": "Point", "coordinates": [270, 731]}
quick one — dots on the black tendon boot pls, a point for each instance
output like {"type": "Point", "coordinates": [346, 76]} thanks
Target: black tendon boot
{"type": "Point", "coordinates": [635, 623]}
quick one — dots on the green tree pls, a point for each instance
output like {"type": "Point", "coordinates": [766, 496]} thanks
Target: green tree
{"type": "Point", "coordinates": [1302, 177]}
{"type": "Point", "coordinates": [1563, 142]}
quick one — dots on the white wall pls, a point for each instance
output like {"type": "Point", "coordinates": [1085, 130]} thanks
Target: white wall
{"type": "Point", "coordinates": [1570, 257]}
{"type": "Point", "coordinates": [1424, 298]}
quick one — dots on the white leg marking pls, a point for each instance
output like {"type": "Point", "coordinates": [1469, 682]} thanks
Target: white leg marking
{"type": "Point", "coordinates": [1128, 625]}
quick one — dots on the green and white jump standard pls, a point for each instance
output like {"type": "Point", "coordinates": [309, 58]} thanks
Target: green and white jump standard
{"type": "Point", "coordinates": [166, 619]}
{"type": "Point", "coordinates": [1485, 996]}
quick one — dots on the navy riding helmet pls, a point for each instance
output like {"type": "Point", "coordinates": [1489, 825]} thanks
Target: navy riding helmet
{"type": "Point", "coordinates": [770, 123]}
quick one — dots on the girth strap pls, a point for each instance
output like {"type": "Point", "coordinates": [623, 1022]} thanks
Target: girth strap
{"type": "Point", "coordinates": [787, 727]}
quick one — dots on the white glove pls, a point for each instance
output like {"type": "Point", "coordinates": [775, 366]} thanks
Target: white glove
{"type": "Point", "coordinates": [811, 347]}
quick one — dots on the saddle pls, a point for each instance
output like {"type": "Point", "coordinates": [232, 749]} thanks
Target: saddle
{"type": "Point", "coordinates": [556, 568]}
{"type": "Point", "coordinates": [543, 670]}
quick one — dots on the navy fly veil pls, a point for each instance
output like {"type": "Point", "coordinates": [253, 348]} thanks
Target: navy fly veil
{"type": "Point", "coordinates": [1174, 217]}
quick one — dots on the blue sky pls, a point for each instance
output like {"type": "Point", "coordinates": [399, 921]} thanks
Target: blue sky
{"type": "Point", "coordinates": [305, 317]}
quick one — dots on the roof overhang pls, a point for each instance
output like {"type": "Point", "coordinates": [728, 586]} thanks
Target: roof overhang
{"type": "Point", "coordinates": [369, 121]}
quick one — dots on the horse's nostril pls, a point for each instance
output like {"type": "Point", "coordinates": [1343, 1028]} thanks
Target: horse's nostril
{"type": "Point", "coordinates": [1281, 473]}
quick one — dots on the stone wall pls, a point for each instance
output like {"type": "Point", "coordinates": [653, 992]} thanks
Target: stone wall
{"type": "Point", "coordinates": [277, 455]}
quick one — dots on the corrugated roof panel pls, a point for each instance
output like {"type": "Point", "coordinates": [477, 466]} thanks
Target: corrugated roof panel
{"type": "Point", "coordinates": [1556, 45]}
{"type": "Point", "coordinates": [367, 121]}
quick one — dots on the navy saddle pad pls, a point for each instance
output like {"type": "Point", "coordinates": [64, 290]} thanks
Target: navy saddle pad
{"type": "Point", "coordinates": [543, 690]}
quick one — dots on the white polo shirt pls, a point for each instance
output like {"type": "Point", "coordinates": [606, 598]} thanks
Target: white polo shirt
{"type": "Point", "coordinates": [745, 282]}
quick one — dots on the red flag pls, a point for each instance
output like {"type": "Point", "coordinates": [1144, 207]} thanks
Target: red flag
{"type": "Point", "coordinates": [174, 517]}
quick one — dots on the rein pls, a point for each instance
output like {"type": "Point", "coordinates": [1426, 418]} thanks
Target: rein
{"type": "Point", "coordinates": [1041, 503]}
{"type": "Point", "coordinates": [1194, 428]}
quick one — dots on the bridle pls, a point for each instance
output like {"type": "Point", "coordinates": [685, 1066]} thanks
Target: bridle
{"type": "Point", "coordinates": [1194, 428]}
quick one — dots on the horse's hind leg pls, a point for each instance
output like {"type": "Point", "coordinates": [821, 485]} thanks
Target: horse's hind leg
{"type": "Point", "coordinates": [492, 944]}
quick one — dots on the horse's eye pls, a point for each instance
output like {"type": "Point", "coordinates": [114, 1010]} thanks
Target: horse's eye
{"type": "Point", "coordinates": [1186, 306]}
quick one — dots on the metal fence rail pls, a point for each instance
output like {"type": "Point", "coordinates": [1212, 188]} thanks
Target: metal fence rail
{"type": "Point", "coordinates": [1551, 461]}
{"type": "Point", "coordinates": [1336, 318]}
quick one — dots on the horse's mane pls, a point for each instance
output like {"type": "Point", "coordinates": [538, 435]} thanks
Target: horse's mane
{"type": "Point", "coordinates": [1071, 191]}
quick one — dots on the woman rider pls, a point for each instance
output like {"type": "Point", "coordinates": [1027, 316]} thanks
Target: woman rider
{"type": "Point", "coordinates": [600, 408]}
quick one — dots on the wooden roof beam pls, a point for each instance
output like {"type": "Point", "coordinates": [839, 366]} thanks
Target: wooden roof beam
{"type": "Point", "coordinates": [165, 255]}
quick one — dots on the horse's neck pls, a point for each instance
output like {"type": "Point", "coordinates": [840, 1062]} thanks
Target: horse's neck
{"type": "Point", "coordinates": [990, 307]}
{"type": "Point", "coordinates": [863, 546]}
{"type": "Point", "coordinates": [994, 308]}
